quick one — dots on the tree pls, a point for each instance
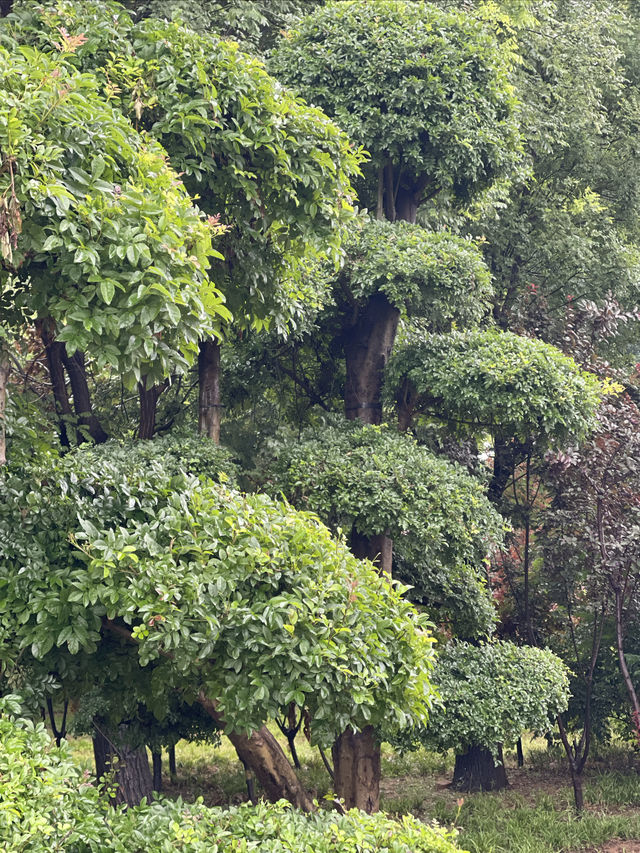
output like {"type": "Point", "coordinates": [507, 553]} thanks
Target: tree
{"type": "Point", "coordinates": [127, 570]}
{"type": "Point", "coordinates": [373, 484]}
{"type": "Point", "coordinates": [590, 546]}
{"type": "Point", "coordinates": [487, 701]}
{"type": "Point", "coordinates": [276, 171]}
{"type": "Point", "coordinates": [427, 93]}
{"type": "Point", "coordinates": [100, 240]}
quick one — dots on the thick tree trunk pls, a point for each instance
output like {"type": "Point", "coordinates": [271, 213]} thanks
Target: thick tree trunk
{"type": "Point", "coordinates": [156, 760]}
{"type": "Point", "coordinates": [148, 406]}
{"type": "Point", "coordinates": [356, 763]}
{"type": "Point", "coordinates": [209, 406]}
{"type": "Point", "coordinates": [378, 549]}
{"type": "Point", "coordinates": [173, 770]}
{"type": "Point", "coordinates": [5, 7]}
{"type": "Point", "coordinates": [262, 753]}
{"type": "Point", "coordinates": [4, 378]}
{"type": "Point", "coordinates": [130, 766]}
{"type": "Point", "coordinates": [367, 348]}
{"type": "Point", "coordinates": [476, 770]}
{"type": "Point", "coordinates": [82, 399]}
{"type": "Point", "coordinates": [54, 351]}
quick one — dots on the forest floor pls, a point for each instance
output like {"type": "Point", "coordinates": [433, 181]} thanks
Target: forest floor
{"type": "Point", "coordinates": [535, 815]}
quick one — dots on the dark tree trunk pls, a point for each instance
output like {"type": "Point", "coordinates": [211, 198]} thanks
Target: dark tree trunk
{"type": "Point", "coordinates": [476, 770]}
{"type": "Point", "coordinates": [173, 770]}
{"type": "Point", "coordinates": [82, 399]}
{"type": "Point", "coordinates": [262, 753]}
{"type": "Point", "coordinates": [367, 348]}
{"type": "Point", "coordinates": [519, 752]}
{"type": "Point", "coordinates": [54, 351]}
{"type": "Point", "coordinates": [148, 407]}
{"type": "Point", "coordinates": [156, 760]}
{"type": "Point", "coordinates": [356, 763]}
{"type": "Point", "coordinates": [209, 406]}
{"type": "Point", "coordinates": [4, 378]}
{"type": "Point", "coordinates": [378, 549]}
{"type": "Point", "coordinates": [5, 7]}
{"type": "Point", "coordinates": [130, 765]}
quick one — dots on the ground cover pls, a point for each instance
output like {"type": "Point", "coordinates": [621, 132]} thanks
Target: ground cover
{"type": "Point", "coordinates": [535, 815]}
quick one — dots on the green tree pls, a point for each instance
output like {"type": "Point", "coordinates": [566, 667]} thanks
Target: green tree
{"type": "Point", "coordinates": [276, 171]}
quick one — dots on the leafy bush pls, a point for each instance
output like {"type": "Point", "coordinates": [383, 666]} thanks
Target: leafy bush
{"type": "Point", "coordinates": [375, 480]}
{"type": "Point", "coordinates": [437, 275]}
{"type": "Point", "coordinates": [48, 804]}
{"type": "Point", "coordinates": [489, 380]}
{"type": "Point", "coordinates": [235, 594]}
{"type": "Point", "coordinates": [492, 693]}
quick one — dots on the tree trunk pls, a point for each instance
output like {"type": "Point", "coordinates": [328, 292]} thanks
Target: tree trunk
{"type": "Point", "coordinates": [54, 351]}
{"type": "Point", "coordinates": [82, 399]}
{"type": "Point", "coordinates": [356, 763]}
{"type": "Point", "coordinates": [209, 407]}
{"type": "Point", "coordinates": [378, 549]}
{"type": "Point", "coordinates": [476, 770]}
{"type": "Point", "coordinates": [4, 378]}
{"type": "Point", "coordinates": [5, 7]}
{"type": "Point", "coordinates": [130, 766]}
{"type": "Point", "coordinates": [148, 407]}
{"type": "Point", "coordinates": [262, 753]}
{"type": "Point", "coordinates": [519, 752]}
{"type": "Point", "coordinates": [173, 770]}
{"type": "Point", "coordinates": [367, 348]}
{"type": "Point", "coordinates": [156, 760]}
{"type": "Point", "coordinates": [624, 669]}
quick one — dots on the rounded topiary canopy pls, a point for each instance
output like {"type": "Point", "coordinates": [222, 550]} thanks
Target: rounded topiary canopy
{"type": "Point", "coordinates": [492, 693]}
{"type": "Point", "coordinates": [96, 231]}
{"type": "Point", "coordinates": [275, 170]}
{"type": "Point", "coordinates": [494, 381]}
{"type": "Point", "coordinates": [376, 481]}
{"type": "Point", "coordinates": [414, 84]}
{"type": "Point", "coordinates": [423, 273]}
{"type": "Point", "coordinates": [237, 595]}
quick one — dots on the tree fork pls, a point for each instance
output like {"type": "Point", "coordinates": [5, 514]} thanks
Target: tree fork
{"type": "Point", "coordinates": [262, 753]}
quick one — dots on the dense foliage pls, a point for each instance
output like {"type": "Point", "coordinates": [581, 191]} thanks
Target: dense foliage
{"type": "Point", "coordinates": [498, 382]}
{"type": "Point", "coordinates": [233, 594]}
{"type": "Point", "coordinates": [97, 232]}
{"type": "Point", "coordinates": [376, 481]}
{"type": "Point", "coordinates": [275, 170]}
{"type": "Point", "coordinates": [48, 804]}
{"type": "Point", "coordinates": [494, 692]}
{"type": "Point", "coordinates": [420, 87]}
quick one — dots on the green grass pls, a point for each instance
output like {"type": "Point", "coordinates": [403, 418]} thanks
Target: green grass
{"type": "Point", "coordinates": [535, 816]}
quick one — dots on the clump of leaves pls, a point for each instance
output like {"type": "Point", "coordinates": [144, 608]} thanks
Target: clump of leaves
{"type": "Point", "coordinates": [375, 480]}
{"type": "Point", "coordinates": [237, 595]}
{"type": "Point", "coordinates": [492, 693]}
{"type": "Point", "coordinates": [486, 380]}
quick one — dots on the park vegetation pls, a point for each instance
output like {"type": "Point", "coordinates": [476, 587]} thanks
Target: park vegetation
{"type": "Point", "coordinates": [319, 406]}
